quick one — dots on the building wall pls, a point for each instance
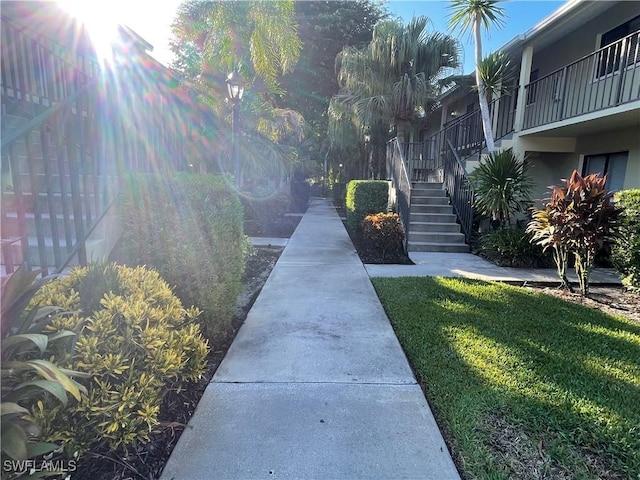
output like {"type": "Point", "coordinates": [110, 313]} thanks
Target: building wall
{"type": "Point", "coordinates": [611, 142]}
{"type": "Point", "coordinates": [583, 41]}
{"type": "Point", "coordinates": [549, 169]}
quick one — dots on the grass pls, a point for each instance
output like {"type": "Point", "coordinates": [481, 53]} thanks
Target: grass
{"type": "Point", "coordinates": [524, 385]}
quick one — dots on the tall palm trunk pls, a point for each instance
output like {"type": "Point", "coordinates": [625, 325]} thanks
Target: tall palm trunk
{"type": "Point", "coordinates": [482, 94]}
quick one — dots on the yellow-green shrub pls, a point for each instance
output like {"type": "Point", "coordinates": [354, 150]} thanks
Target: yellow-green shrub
{"type": "Point", "coordinates": [135, 340]}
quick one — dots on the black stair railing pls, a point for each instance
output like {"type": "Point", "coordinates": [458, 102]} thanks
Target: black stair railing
{"type": "Point", "coordinates": [458, 189]}
{"type": "Point", "coordinates": [400, 184]}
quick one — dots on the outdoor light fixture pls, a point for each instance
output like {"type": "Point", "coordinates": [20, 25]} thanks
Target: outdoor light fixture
{"type": "Point", "coordinates": [235, 86]}
{"type": "Point", "coordinates": [235, 89]}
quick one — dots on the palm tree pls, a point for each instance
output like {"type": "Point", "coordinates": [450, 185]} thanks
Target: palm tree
{"type": "Point", "coordinates": [260, 39]}
{"type": "Point", "coordinates": [471, 16]}
{"type": "Point", "coordinates": [389, 83]}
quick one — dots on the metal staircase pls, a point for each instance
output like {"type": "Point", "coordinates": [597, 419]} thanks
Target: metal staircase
{"type": "Point", "coordinates": [430, 182]}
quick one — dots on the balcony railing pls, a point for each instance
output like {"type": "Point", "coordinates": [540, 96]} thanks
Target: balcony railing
{"type": "Point", "coordinates": [425, 160]}
{"type": "Point", "coordinates": [606, 78]}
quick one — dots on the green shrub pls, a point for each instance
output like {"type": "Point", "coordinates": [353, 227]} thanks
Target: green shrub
{"type": "Point", "coordinates": [365, 197]}
{"type": "Point", "coordinates": [626, 251]}
{"type": "Point", "coordinates": [384, 232]}
{"type": "Point", "coordinates": [512, 247]}
{"type": "Point", "coordinates": [260, 213]}
{"type": "Point", "coordinates": [189, 228]}
{"type": "Point", "coordinates": [134, 340]}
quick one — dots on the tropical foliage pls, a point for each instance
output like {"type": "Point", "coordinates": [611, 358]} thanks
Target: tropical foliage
{"type": "Point", "coordinates": [383, 232]}
{"type": "Point", "coordinates": [135, 341]}
{"type": "Point", "coordinates": [578, 218]}
{"type": "Point", "coordinates": [324, 29]}
{"type": "Point", "coordinates": [502, 185]}
{"type": "Point", "coordinates": [473, 16]}
{"type": "Point", "coordinates": [260, 40]}
{"type": "Point", "coordinates": [190, 228]}
{"type": "Point", "coordinates": [626, 252]}
{"type": "Point", "coordinates": [29, 378]}
{"type": "Point", "coordinates": [389, 83]}
{"type": "Point", "coordinates": [365, 197]}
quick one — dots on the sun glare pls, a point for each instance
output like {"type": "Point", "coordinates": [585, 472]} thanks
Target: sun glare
{"type": "Point", "coordinates": [100, 21]}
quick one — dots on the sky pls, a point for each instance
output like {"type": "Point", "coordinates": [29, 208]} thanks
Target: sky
{"type": "Point", "coordinates": [152, 19]}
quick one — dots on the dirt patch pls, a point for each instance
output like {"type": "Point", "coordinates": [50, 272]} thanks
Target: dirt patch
{"type": "Point", "coordinates": [613, 300]}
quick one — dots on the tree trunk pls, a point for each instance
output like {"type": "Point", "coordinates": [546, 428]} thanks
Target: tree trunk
{"type": "Point", "coordinates": [482, 97]}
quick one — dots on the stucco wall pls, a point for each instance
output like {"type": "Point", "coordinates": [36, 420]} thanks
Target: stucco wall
{"type": "Point", "coordinates": [549, 169]}
{"type": "Point", "coordinates": [583, 41]}
{"type": "Point", "coordinates": [616, 141]}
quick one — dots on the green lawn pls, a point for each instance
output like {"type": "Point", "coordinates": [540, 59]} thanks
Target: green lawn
{"type": "Point", "coordinates": [523, 385]}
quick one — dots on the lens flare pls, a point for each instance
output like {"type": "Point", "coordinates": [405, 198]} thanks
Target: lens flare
{"type": "Point", "coordinates": [100, 21]}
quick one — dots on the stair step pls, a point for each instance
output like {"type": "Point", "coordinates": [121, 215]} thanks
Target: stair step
{"type": "Point", "coordinates": [431, 209]}
{"type": "Point", "coordinates": [418, 217]}
{"type": "Point", "coordinates": [436, 237]}
{"type": "Point", "coordinates": [429, 200]}
{"type": "Point", "coordinates": [451, 227]}
{"type": "Point", "coordinates": [438, 247]}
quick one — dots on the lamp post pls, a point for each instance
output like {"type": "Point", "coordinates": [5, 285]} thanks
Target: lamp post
{"type": "Point", "coordinates": [235, 89]}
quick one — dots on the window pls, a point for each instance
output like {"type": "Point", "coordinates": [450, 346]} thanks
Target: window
{"type": "Point", "coordinates": [609, 58]}
{"type": "Point", "coordinates": [613, 165]}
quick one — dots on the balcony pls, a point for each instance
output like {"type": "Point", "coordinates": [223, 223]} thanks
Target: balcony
{"type": "Point", "coordinates": [603, 82]}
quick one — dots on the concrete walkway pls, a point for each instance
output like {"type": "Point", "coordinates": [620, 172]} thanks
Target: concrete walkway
{"type": "Point", "coordinates": [435, 264]}
{"type": "Point", "coordinates": [315, 384]}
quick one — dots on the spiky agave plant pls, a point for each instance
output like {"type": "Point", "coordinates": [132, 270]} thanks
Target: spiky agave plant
{"type": "Point", "coordinates": [502, 186]}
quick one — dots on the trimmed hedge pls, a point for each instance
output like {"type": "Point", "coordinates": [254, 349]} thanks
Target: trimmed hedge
{"type": "Point", "coordinates": [189, 227]}
{"type": "Point", "coordinates": [626, 252]}
{"type": "Point", "coordinates": [365, 197]}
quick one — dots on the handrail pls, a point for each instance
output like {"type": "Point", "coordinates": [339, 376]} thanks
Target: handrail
{"type": "Point", "coordinates": [459, 189]}
{"type": "Point", "coordinates": [81, 243]}
{"type": "Point", "coordinates": [44, 116]}
{"type": "Point", "coordinates": [467, 135]}
{"type": "Point", "coordinates": [400, 184]}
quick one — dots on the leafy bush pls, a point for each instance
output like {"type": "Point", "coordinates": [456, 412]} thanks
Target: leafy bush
{"type": "Point", "coordinates": [502, 186]}
{"type": "Point", "coordinates": [134, 340]}
{"type": "Point", "coordinates": [189, 228]}
{"type": "Point", "coordinates": [626, 252]}
{"type": "Point", "coordinates": [578, 219]}
{"type": "Point", "coordinates": [263, 212]}
{"type": "Point", "coordinates": [27, 377]}
{"type": "Point", "coordinates": [383, 231]}
{"type": "Point", "coordinates": [512, 247]}
{"type": "Point", "coordinates": [365, 197]}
